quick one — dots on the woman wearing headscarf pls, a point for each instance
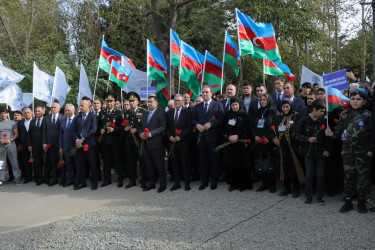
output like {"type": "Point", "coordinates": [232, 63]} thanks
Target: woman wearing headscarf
{"type": "Point", "coordinates": [263, 135]}
{"type": "Point", "coordinates": [236, 124]}
{"type": "Point", "coordinates": [287, 161]}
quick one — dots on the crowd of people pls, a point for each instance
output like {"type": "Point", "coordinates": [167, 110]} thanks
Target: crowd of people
{"type": "Point", "coordinates": [277, 137]}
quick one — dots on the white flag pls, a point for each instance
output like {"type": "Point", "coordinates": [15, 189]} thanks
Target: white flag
{"type": "Point", "coordinates": [60, 87]}
{"type": "Point", "coordinates": [12, 96]}
{"type": "Point", "coordinates": [309, 76]}
{"type": "Point", "coordinates": [8, 76]}
{"type": "Point", "coordinates": [137, 79]}
{"type": "Point", "coordinates": [27, 99]}
{"type": "Point", "coordinates": [42, 85]}
{"type": "Point", "coordinates": [84, 86]}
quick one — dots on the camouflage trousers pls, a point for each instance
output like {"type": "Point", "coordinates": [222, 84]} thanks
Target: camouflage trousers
{"type": "Point", "coordinates": [357, 172]}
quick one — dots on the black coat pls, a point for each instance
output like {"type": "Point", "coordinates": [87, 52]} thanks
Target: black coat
{"type": "Point", "coordinates": [87, 130]}
{"type": "Point", "coordinates": [157, 126]}
{"type": "Point", "coordinates": [184, 124]}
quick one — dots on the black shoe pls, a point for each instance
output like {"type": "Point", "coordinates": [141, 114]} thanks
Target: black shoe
{"type": "Point", "coordinates": [295, 194]}
{"type": "Point", "coordinates": [26, 181]}
{"type": "Point", "coordinates": [67, 184]}
{"type": "Point", "coordinates": [175, 187]}
{"type": "Point", "coordinates": [308, 200]}
{"type": "Point", "coordinates": [106, 183]}
{"type": "Point", "coordinates": [240, 189]}
{"type": "Point", "coordinates": [284, 192]}
{"type": "Point", "coordinates": [187, 188]}
{"type": "Point", "coordinates": [120, 184]}
{"type": "Point", "coordinates": [262, 188]}
{"type": "Point", "coordinates": [362, 206]}
{"type": "Point", "coordinates": [130, 184]}
{"type": "Point", "coordinates": [148, 188]}
{"type": "Point", "coordinates": [213, 186]}
{"type": "Point", "coordinates": [38, 183]}
{"type": "Point", "coordinates": [272, 190]}
{"type": "Point", "coordinates": [347, 206]}
{"type": "Point", "coordinates": [79, 186]}
{"type": "Point", "coordinates": [94, 186]}
{"type": "Point", "coordinates": [61, 183]}
{"type": "Point", "coordinates": [143, 185]}
{"type": "Point", "coordinates": [51, 184]}
{"type": "Point", "coordinates": [372, 209]}
{"type": "Point", "coordinates": [203, 186]}
{"type": "Point", "coordinates": [161, 189]}
{"type": "Point", "coordinates": [230, 189]}
{"type": "Point", "coordinates": [10, 180]}
{"type": "Point", "coordinates": [320, 201]}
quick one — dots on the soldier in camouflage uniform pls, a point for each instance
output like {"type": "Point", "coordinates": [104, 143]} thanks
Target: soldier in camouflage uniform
{"type": "Point", "coordinates": [354, 129]}
{"type": "Point", "coordinates": [132, 118]}
{"type": "Point", "coordinates": [110, 140]}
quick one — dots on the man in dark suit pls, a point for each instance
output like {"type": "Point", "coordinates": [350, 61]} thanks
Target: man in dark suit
{"type": "Point", "coordinates": [207, 117]}
{"type": "Point", "coordinates": [178, 132]}
{"type": "Point", "coordinates": [255, 104]}
{"type": "Point", "coordinates": [83, 129]}
{"type": "Point", "coordinates": [23, 134]}
{"type": "Point", "coordinates": [230, 91]}
{"type": "Point", "coordinates": [51, 130]}
{"type": "Point", "coordinates": [66, 143]}
{"type": "Point", "coordinates": [278, 95]}
{"type": "Point", "coordinates": [35, 145]}
{"type": "Point", "coordinates": [154, 121]}
{"type": "Point", "coordinates": [297, 103]}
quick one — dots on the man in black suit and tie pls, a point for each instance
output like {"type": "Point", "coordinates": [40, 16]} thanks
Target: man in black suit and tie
{"type": "Point", "coordinates": [278, 95]}
{"type": "Point", "coordinates": [230, 91]}
{"type": "Point", "coordinates": [35, 145]}
{"type": "Point", "coordinates": [178, 132]}
{"type": "Point", "coordinates": [51, 138]}
{"type": "Point", "coordinates": [207, 117]}
{"type": "Point", "coordinates": [83, 129]}
{"type": "Point", "coordinates": [297, 103]}
{"type": "Point", "coordinates": [154, 121]}
{"type": "Point", "coordinates": [23, 134]}
{"type": "Point", "coordinates": [255, 105]}
{"type": "Point", "coordinates": [66, 143]}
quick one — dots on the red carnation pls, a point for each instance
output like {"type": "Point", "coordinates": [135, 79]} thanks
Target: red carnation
{"type": "Point", "coordinates": [125, 122]}
{"type": "Point", "coordinates": [334, 127]}
{"type": "Point", "coordinates": [61, 164]}
{"type": "Point", "coordinates": [20, 148]}
{"type": "Point", "coordinates": [245, 141]}
{"type": "Point", "coordinates": [112, 124]}
{"type": "Point", "coordinates": [5, 135]}
{"type": "Point", "coordinates": [248, 140]}
{"type": "Point", "coordinates": [323, 127]}
{"type": "Point", "coordinates": [86, 147]}
{"type": "Point", "coordinates": [336, 120]}
{"type": "Point", "coordinates": [48, 146]}
{"type": "Point", "coordinates": [31, 160]}
{"type": "Point", "coordinates": [178, 131]}
{"type": "Point", "coordinates": [246, 145]}
{"type": "Point", "coordinates": [272, 127]}
{"type": "Point", "coordinates": [147, 132]}
{"type": "Point", "coordinates": [213, 118]}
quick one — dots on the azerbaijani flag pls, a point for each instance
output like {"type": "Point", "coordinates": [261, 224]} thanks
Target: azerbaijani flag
{"type": "Point", "coordinates": [257, 39]}
{"type": "Point", "coordinates": [157, 71]}
{"type": "Point", "coordinates": [175, 48]}
{"type": "Point", "coordinates": [336, 99]}
{"type": "Point", "coordinates": [232, 55]}
{"type": "Point", "coordinates": [191, 69]}
{"type": "Point", "coordinates": [119, 74]}
{"type": "Point", "coordinates": [107, 55]}
{"type": "Point", "coordinates": [278, 69]}
{"type": "Point", "coordinates": [213, 70]}
{"type": "Point", "coordinates": [286, 70]}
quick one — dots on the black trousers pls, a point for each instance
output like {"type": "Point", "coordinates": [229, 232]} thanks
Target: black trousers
{"type": "Point", "coordinates": [112, 152]}
{"type": "Point", "coordinates": [81, 157]}
{"type": "Point", "coordinates": [38, 164]}
{"type": "Point", "coordinates": [155, 164]}
{"type": "Point", "coordinates": [208, 161]}
{"type": "Point", "coordinates": [314, 167]}
{"type": "Point", "coordinates": [131, 157]}
{"type": "Point", "coordinates": [180, 163]}
{"type": "Point", "coordinates": [26, 167]}
{"type": "Point", "coordinates": [51, 168]}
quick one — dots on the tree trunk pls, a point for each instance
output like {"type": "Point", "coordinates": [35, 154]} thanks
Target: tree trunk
{"type": "Point", "coordinates": [11, 38]}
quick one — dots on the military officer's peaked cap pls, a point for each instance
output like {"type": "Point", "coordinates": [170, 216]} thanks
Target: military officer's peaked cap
{"type": "Point", "coordinates": [132, 96]}
{"type": "Point", "coordinates": [109, 96]}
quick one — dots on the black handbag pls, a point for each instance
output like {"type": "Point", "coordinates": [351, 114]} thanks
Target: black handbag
{"type": "Point", "coordinates": [263, 166]}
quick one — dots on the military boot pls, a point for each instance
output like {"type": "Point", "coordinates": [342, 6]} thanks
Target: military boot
{"type": "Point", "coordinates": [347, 206]}
{"type": "Point", "coordinates": [362, 206]}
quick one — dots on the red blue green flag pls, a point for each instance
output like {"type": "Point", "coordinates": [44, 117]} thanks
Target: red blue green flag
{"type": "Point", "coordinates": [175, 48]}
{"type": "Point", "coordinates": [336, 99]}
{"type": "Point", "coordinates": [232, 55]}
{"type": "Point", "coordinates": [119, 74]}
{"type": "Point", "coordinates": [213, 70]}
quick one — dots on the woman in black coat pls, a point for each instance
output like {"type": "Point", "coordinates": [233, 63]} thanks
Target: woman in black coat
{"type": "Point", "coordinates": [263, 135]}
{"type": "Point", "coordinates": [284, 124]}
{"type": "Point", "coordinates": [236, 124]}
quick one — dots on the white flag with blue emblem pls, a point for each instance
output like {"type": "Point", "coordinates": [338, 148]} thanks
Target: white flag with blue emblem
{"type": "Point", "coordinates": [12, 96]}
{"type": "Point", "coordinates": [60, 87]}
{"type": "Point", "coordinates": [27, 99]}
{"type": "Point", "coordinates": [8, 76]}
{"type": "Point", "coordinates": [84, 86]}
{"type": "Point", "coordinates": [42, 85]}
{"type": "Point", "coordinates": [309, 76]}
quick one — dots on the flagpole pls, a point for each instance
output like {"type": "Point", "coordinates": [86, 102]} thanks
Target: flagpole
{"type": "Point", "coordinates": [122, 100]}
{"type": "Point", "coordinates": [179, 69]}
{"type": "Point", "coordinates": [204, 68]}
{"type": "Point", "coordinates": [326, 88]}
{"type": "Point", "coordinates": [147, 52]}
{"type": "Point", "coordinates": [96, 80]}
{"type": "Point", "coordinates": [53, 86]}
{"type": "Point", "coordinates": [239, 51]}
{"type": "Point", "coordinates": [33, 89]}
{"type": "Point", "coordinates": [170, 62]}
{"type": "Point", "coordinates": [222, 65]}
{"type": "Point", "coordinates": [109, 76]}
{"type": "Point", "coordinates": [264, 75]}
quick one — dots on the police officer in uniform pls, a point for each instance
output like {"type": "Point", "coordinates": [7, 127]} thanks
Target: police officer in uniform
{"type": "Point", "coordinates": [132, 118]}
{"type": "Point", "coordinates": [110, 120]}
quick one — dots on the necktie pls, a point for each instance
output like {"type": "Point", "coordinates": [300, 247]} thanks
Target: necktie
{"type": "Point", "coordinates": [149, 117]}
{"type": "Point", "coordinates": [176, 117]}
{"type": "Point", "coordinates": [54, 119]}
{"type": "Point", "coordinates": [38, 122]}
{"type": "Point", "coordinates": [68, 123]}
{"type": "Point", "coordinates": [227, 106]}
{"type": "Point", "coordinates": [278, 96]}
{"type": "Point", "coordinates": [205, 107]}
{"type": "Point", "coordinates": [83, 118]}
